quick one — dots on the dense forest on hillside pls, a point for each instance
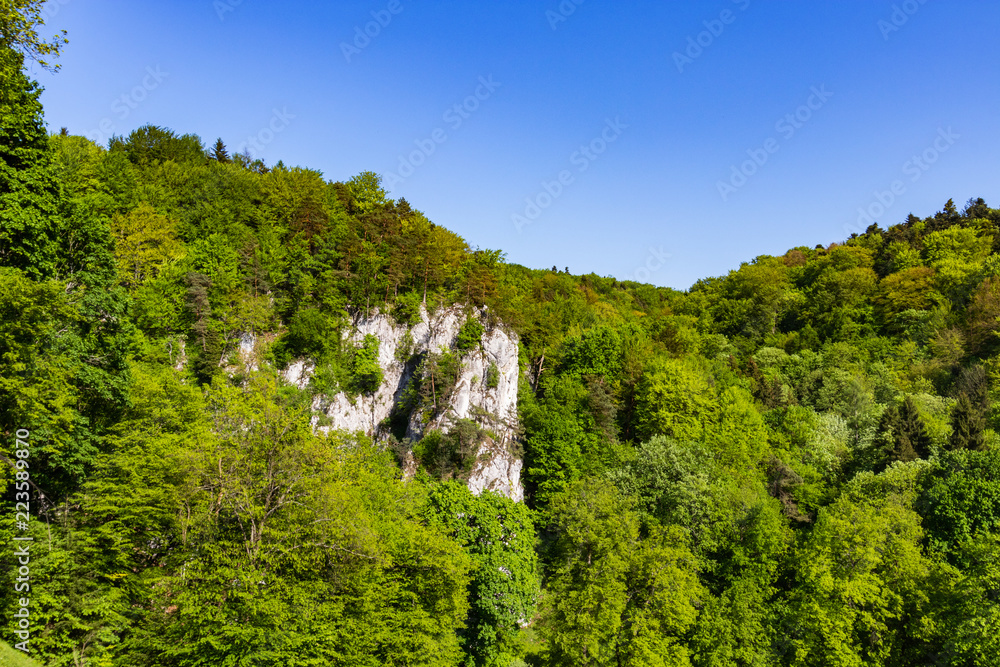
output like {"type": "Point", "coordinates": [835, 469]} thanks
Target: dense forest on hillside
{"type": "Point", "coordinates": [793, 464]}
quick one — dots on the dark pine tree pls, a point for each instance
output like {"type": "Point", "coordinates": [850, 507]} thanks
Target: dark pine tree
{"type": "Point", "coordinates": [909, 439]}
{"type": "Point", "coordinates": [912, 436]}
{"type": "Point", "coordinates": [968, 419]}
{"type": "Point", "coordinates": [219, 152]}
{"type": "Point", "coordinates": [967, 425]}
{"type": "Point", "coordinates": [203, 339]}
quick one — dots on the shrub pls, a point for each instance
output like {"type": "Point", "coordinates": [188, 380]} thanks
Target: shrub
{"type": "Point", "coordinates": [469, 336]}
{"type": "Point", "coordinates": [367, 372]}
{"type": "Point", "coordinates": [492, 376]}
{"type": "Point", "coordinates": [451, 455]}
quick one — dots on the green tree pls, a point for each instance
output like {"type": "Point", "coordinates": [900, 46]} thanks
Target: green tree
{"type": "Point", "coordinates": [219, 152]}
{"type": "Point", "coordinates": [615, 597]}
{"type": "Point", "coordinates": [20, 21]}
{"type": "Point", "coordinates": [961, 499]}
{"type": "Point", "coordinates": [860, 577]}
{"type": "Point", "coordinates": [968, 418]}
{"type": "Point", "coordinates": [470, 336]}
{"type": "Point", "coordinates": [969, 618]}
{"type": "Point", "coordinates": [151, 144]}
{"type": "Point", "coordinates": [144, 242]}
{"type": "Point", "coordinates": [956, 254]}
{"type": "Point", "coordinates": [299, 549]}
{"type": "Point", "coordinates": [674, 399]}
{"type": "Point", "coordinates": [499, 535]}
{"type": "Point", "coordinates": [367, 191]}
{"type": "Point", "coordinates": [37, 391]}
{"type": "Point", "coordinates": [30, 223]}
{"type": "Point", "coordinates": [907, 435]}
{"type": "Point", "coordinates": [367, 371]}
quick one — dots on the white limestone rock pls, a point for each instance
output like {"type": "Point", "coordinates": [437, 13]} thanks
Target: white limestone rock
{"type": "Point", "coordinates": [496, 468]}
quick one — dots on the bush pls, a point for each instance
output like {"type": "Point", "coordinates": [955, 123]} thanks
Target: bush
{"type": "Point", "coordinates": [407, 308]}
{"type": "Point", "coordinates": [405, 348]}
{"type": "Point", "coordinates": [492, 377]}
{"type": "Point", "coordinates": [451, 455]}
{"type": "Point", "coordinates": [469, 336]}
{"type": "Point", "coordinates": [438, 375]}
{"type": "Point", "coordinates": [367, 371]}
{"type": "Point", "coordinates": [309, 334]}
{"type": "Point", "coordinates": [961, 499]}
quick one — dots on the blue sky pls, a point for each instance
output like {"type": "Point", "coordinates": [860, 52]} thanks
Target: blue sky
{"type": "Point", "coordinates": [660, 141]}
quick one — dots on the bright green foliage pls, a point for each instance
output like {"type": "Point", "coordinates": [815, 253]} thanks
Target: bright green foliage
{"type": "Point", "coordinates": [470, 336]}
{"type": "Point", "coordinates": [675, 399]}
{"type": "Point", "coordinates": [752, 300]}
{"type": "Point", "coordinates": [597, 352]}
{"type": "Point", "coordinates": [737, 433]}
{"type": "Point", "coordinates": [367, 372]}
{"type": "Point", "coordinates": [615, 597]}
{"type": "Point", "coordinates": [492, 379]}
{"type": "Point", "coordinates": [739, 627]}
{"type": "Point", "coordinates": [50, 381]}
{"type": "Point", "coordinates": [956, 254]}
{"type": "Point", "coordinates": [961, 499]}
{"type": "Point", "coordinates": [909, 289]}
{"type": "Point", "coordinates": [791, 464]}
{"type": "Point", "coordinates": [678, 400]}
{"type": "Point", "coordinates": [568, 435]}
{"type": "Point", "coordinates": [499, 535]}
{"type": "Point", "coordinates": [367, 191]}
{"type": "Point", "coordinates": [225, 531]}
{"type": "Point", "coordinates": [969, 619]}
{"type": "Point", "coordinates": [671, 483]}
{"type": "Point", "coordinates": [20, 21]}
{"type": "Point", "coordinates": [862, 574]}
{"type": "Point", "coordinates": [144, 242]}
{"type": "Point", "coordinates": [29, 194]}
{"type": "Point", "coordinates": [324, 592]}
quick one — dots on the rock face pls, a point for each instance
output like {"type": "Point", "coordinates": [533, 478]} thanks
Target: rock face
{"type": "Point", "coordinates": [493, 408]}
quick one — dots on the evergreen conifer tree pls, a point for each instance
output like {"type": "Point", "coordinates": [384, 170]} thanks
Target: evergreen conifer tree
{"type": "Point", "coordinates": [968, 419]}
{"type": "Point", "coordinates": [907, 435]}
{"type": "Point", "coordinates": [219, 152]}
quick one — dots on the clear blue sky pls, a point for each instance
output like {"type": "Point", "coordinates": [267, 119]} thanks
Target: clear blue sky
{"type": "Point", "coordinates": [886, 80]}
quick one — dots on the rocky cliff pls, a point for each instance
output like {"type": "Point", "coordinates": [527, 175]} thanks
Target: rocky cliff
{"type": "Point", "coordinates": [487, 397]}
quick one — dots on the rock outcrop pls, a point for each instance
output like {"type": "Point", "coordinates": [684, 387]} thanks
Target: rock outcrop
{"type": "Point", "coordinates": [492, 405]}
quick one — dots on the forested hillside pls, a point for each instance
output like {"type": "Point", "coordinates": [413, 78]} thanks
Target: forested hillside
{"type": "Point", "coordinates": [793, 464]}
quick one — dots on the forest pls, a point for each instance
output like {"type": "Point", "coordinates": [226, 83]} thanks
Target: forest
{"type": "Point", "coordinates": [797, 463]}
